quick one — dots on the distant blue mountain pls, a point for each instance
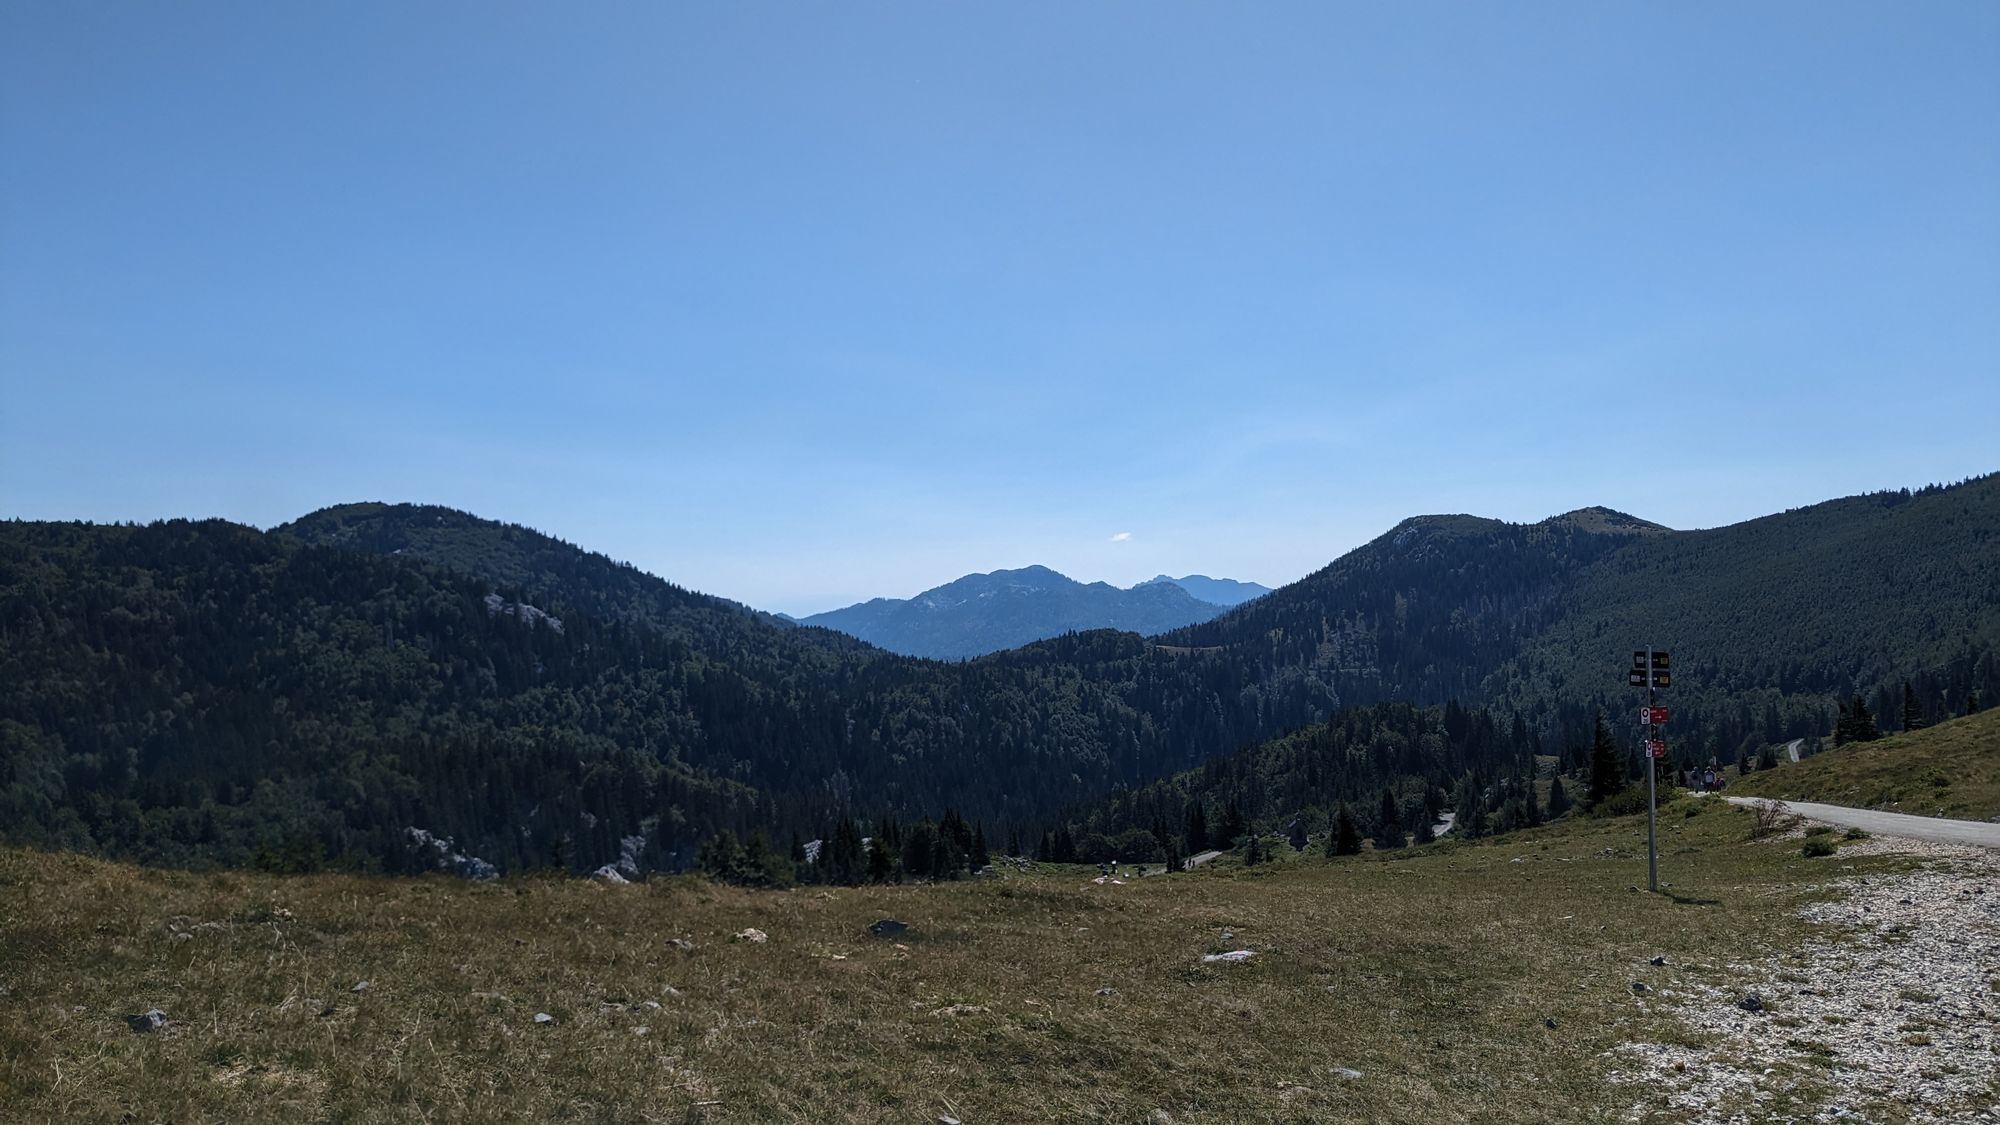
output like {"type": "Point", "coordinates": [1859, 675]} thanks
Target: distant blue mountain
{"type": "Point", "coordinates": [982, 613]}
{"type": "Point", "coordinates": [1224, 592]}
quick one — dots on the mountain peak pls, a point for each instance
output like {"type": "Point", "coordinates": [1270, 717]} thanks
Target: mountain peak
{"type": "Point", "coordinates": [1215, 591]}
{"type": "Point", "coordinates": [1598, 518]}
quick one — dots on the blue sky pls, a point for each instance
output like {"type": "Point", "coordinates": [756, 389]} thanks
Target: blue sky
{"type": "Point", "coordinates": [802, 304]}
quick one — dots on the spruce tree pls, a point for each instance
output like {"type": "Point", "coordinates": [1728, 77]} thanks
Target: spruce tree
{"type": "Point", "coordinates": [1253, 851]}
{"type": "Point", "coordinates": [1558, 800]}
{"type": "Point", "coordinates": [1389, 824]}
{"type": "Point", "coordinates": [1607, 776]}
{"type": "Point", "coordinates": [1197, 828]}
{"type": "Point", "coordinates": [1913, 714]}
{"type": "Point", "coordinates": [881, 862]}
{"type": "Point", "coordinates": [721, 857]}
{"type": "Point", "coordinates": [1233, 824]}
{"type": "Point", "coordinates": [979, 856]}
{"type": "Point", "coordinates": [1345, 839]}
{"type": "Point", "coordinates": [1863, 729]}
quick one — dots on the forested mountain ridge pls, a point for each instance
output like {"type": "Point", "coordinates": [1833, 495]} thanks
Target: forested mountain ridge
{"type": "Point", "coordinates": [1769, 620]}
{"type": "Point", "coordinates": [201, 691]}
{"type": "Point", "coordinates": [1003, 609]}
{"type": "Point", "coordinates": [1423, 612]}
{"type": "Point", "coordinates": [517, 556]}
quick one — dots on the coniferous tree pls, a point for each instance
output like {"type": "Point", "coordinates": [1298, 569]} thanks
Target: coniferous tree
{"type": "Point", "coordinates": [1345, 839]}
{"type": "Point", "coordinates": [1471, 822]}
{"type": "Point", "coordinates": [721, 857]}
{"type": "Point", "coordinates": [979, 857]}
{"type": "Point", "coordinates": [1197, 828]}
{"type": "Point", "coordinates": [1233, 824]}
{"type": "Point", "coordinates": [1913, 713]}
{"type": "Point", "coordinates": [1558, 799]}
{"type": "Point", "coordinates": [840, 856]}
{"type": "Point", "coordinates": [1607, 774]}
{"type": "Point", "coordinates": [920, 850]}
{"type": "Point", "coordinates": [882, 867]}
{"type": "Point", "coordinates": [1389, 824]}
{"type": "Point", "coordinates": [1253, 851]}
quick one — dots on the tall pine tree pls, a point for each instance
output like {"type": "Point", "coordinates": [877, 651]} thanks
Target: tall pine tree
{"type": "Point", "coordinates": [1607, 775]}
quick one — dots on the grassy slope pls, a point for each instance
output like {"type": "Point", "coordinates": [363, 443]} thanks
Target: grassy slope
{"type": "Point", "coordinates": [1431, 974]}
{"type": "Point", "coordinates": [1952, 770]}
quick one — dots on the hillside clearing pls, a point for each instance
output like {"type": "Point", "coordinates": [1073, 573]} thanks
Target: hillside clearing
{"type": "Point", "coordinates": [1949, 770]}
{"type": "Point", "coordinates": [1432, 975]}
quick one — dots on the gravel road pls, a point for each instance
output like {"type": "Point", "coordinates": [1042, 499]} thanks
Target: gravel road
{"type": "Point", "coordinates": [1935, 829]}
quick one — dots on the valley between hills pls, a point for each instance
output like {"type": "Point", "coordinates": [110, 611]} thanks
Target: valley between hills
{"type": "Point", "coordinates": [297, 825]}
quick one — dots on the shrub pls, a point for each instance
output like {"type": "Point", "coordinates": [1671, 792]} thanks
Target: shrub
{"type": "Point", "coordinates": [1855, 834]}
{"type": "Point", "coordinates": [1629, 800]}
{"type": "Point", "coordinates": [1768, 818]}
{"type": "Point", "coordinates": [1818, 846]}
{"type": "Point", "coordinates": [1819, 830]}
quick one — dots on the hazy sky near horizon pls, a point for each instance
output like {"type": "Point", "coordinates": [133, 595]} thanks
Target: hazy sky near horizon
{"type": "Point", "coordinates": [803, 304]}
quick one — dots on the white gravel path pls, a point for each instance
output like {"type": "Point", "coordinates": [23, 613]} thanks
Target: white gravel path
{"type": "Point", "coordinates": [1887, 1015]}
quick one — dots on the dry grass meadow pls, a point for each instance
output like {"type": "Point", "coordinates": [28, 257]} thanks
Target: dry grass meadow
{"type": "Point", "coordinates": [1950, 770]}
{"type": "Point", "coordinates": [1407, 989]}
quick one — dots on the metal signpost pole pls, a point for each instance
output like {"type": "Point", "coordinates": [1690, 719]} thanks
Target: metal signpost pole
{"type": "Point", "coordinates": [1650, 671]}
{"type": "Point", "coordinates": [1652, 846]}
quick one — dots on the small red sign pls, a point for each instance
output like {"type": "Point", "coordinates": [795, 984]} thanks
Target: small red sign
{"type": "Point", "coordinates": [1656, 715]}
{"type": "Point", "coordinates": [1656, 747]}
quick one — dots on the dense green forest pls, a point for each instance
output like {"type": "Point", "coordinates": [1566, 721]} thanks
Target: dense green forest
{"type": "Point", "coordinates": [184, 692]}
{"type": "Point", "coordinates": [204, 692]}
{"type": "Point", "coordinates": [1394, 766]}
{"type": "Point", "coordinates": [1770, 621]}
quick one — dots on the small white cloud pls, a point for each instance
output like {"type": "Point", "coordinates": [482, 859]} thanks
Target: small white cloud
{"type": "Point", "coordinates": [1121, 537]}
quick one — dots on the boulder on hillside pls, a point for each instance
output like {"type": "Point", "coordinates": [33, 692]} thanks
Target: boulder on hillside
{"type": "Point", "coordinates": [152, 1019]}
{"type": "Point", "coordinates": [888, 927]}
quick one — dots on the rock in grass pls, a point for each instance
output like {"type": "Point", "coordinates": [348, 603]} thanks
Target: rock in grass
{"type": "Point", "coordinates": [1549, 1023]}
{"type": "Point", "coordinates": [152, 1019]}
{"type": "Point", "coordinates": [887, 927]}
{"type": "Point", "coordinates": [362, 986]}
{"type": "Point", "coordinates": [1638, 987]}
{"type": "Point", "coordinates": [1107, 992]}
{"type": "Point", "coordinates": [609, 874]}
{"type": "Point", "coordinates": [1751, 1002]}
{"type": "Point", "coordinates": [544, 1017]}
{"type": "Point", "coordinates": [1232, 956]}
{"type": "Point", "coordinates": [1346, 1072]}
{"type": "Point", "coordinates": [1658, 962]}
{"type": "Point", "coordinates": [752, 934]}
